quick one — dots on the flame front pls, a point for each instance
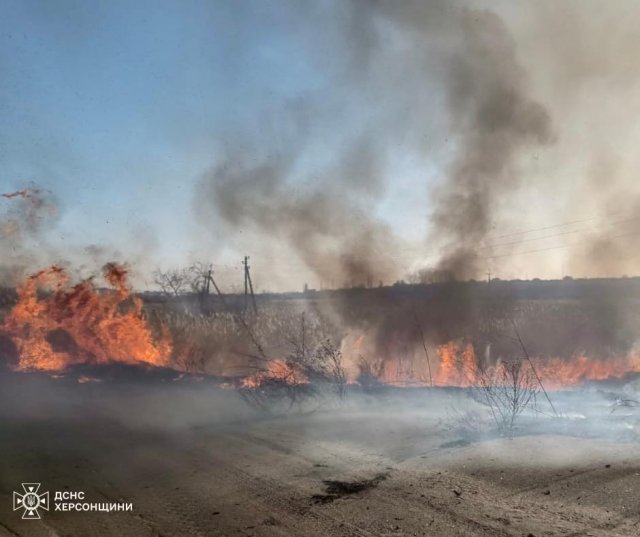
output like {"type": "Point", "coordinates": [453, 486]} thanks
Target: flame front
{"type": "Point", "coordinates": [275, 371]}
{"type": "Point", "coordinates": [80, 324]}
{"type": "Point", "coordinates": [56, 324]}
{"type": "Point", "coordinates": [458, 367]}
{"type": "Point", "coordinates": [456, 364]}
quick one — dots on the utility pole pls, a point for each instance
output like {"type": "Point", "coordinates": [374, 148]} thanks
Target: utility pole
{"type": "Point", "coordinates": [215, 285]}
{"type": "Point", "coordinates": [208, 282]}
{"type": "Point", "coordinates": [209, 277]}
{"type": "Point", "coordinates": [248, 286]}
{"type": "Point", "coordinates": [489, 276]}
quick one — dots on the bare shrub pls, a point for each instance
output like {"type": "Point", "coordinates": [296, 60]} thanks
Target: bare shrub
{"type": "Point", "coordinates": [467, 423]}
{"type": "Point", "coordinates": [508, 389]}
{"type": "Point", "coordinates": [327, 367]}
{"type": "Point", "coordinates": [198, 274]}
{"type": "Point", "coordinates": [274, 384]}
{"type": "Point", "coordinates": [281, 357]}
{"type": "Point", "coordinates": [311, 367]}
{"type": "Point", "coordinates": [369, 374]}
{"type": "Point", "coordinates": [316, 360]}
{"type": "Point", "coordinates": [173, 281]}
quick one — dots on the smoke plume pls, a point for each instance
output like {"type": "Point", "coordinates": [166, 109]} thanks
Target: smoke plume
{"type": "Point", "coordinates": [495, 120]}
{"type": "Point", "coordinates": [399, 59]}
{"type": "Point", "coordinates": [25, 215]}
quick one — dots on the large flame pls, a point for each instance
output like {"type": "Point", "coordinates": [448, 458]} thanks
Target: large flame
{"type": "Point", "coordinates": [55, 325]}
{"type": "Point", "coordinates": [458, 367]}
{"type": "Point", "coordinates": [456, 364]}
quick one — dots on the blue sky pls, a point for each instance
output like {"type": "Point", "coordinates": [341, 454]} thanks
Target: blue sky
{"type": "Point", "coordinates": [115, 107]}
{"type": "Point", "coordinates": [118, 107]}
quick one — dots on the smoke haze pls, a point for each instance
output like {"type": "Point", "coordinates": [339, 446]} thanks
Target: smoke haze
{"type": "Point", "coordinates": [427, 72]}
{"type": "Point", "coordinates": [341, 143]}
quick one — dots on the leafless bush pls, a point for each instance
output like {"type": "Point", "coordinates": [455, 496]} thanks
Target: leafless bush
{"type": "Point", "coordinates": [177, 281]}
{"type": "Point", "coordinates": [198, 275]}
{"type": "Point", "coordinates": [328, 367]}
{"type": "Point", "coordinates": [370, 372]}
{"type": "Point", "coordinates": [317, 359]}
{"type": "Point", "coordinates": [173, 281]}
{"type": "Point", "coordinates": [281, 357]}
{"type": "Point", "coordinates": [467, 423]}
{"type": "Point", "coordinates": [289, 366]}
{"type": "Point", "coordinates": [508, 389]}
{"type": "Point", "coordinates": [311, 370]}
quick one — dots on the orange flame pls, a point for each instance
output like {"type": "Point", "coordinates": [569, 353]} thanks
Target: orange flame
{"type": "Point", "coordinates": [559, 372]}
{"type": "Point", "coordinates": [80, 324]}
{"type": "Point", "coordinates": [278, 371]}
{"type": "Point", "coordinates": [457, 366]}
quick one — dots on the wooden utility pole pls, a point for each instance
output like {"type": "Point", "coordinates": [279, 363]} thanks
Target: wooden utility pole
{"type": "Point", "coordinates": [211, 281]}
{"type": "Point", "coordinates": [248, 286]}
{"type": "Point", "coordinates": [206, 289]}
{"type": "Point", "coordinates": [209, 277]}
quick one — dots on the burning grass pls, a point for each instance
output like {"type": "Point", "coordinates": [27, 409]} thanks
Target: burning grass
{"type": "Point", "coordinates": [290, 351]}
{"type": "Point", "coordinates": [55, 324]}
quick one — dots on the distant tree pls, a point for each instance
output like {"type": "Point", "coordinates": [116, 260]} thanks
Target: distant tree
{"type": "Point", "coordinates": [197, 276]}
{"type": "Point", "coordinates": [173, 281]}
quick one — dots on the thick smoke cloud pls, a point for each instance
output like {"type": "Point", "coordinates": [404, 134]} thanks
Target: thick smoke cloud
{"type": "Point", "coordinates": [326, 224]}
{"type": "Point", "coordinates": [495, 120]}
{"type": "Point", "coordinates": [405, 61]}
{"type": "Point", "coordinates": [517, 116]}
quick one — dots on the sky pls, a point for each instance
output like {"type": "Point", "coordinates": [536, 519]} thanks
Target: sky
{"type": "Point", "coordinates": [126, 111]}
{"type": "Point", "coordinates": [115, 107]}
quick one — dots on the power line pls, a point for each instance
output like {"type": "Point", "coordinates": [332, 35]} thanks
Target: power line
{"type": "Point", "coordinates": [530, 240]}
{"type": "Point", "coordinates": [395, 259]}
{"type": "Point", "coordinates": [416, 249]}
{"type": "Point", "coordinates": [560, 247]}
{"type": "Point", "coordinates": [573, 231]}
{"type": "Point", "coordinates": [553, 226]}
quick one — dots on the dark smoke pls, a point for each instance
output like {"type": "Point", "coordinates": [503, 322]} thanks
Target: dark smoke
{"type": "Point", "coordinates": [401, 60]}
{"type": "Point", "coordinates": [495, 121]}
{"type": "Point", "coordinates": [328, 224]}
{"type": "Point", "coordinates": [611, 248]}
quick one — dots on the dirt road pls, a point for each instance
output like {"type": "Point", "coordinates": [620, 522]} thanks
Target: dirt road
{"type": "Point", "coordinates": [351, 473]}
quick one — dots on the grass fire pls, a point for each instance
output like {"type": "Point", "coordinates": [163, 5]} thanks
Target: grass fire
{"type": "Point", "coordinates": [342, 268]}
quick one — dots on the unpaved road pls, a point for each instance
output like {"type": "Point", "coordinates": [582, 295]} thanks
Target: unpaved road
{"type": "Point", "coordinates": [263, 477]}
